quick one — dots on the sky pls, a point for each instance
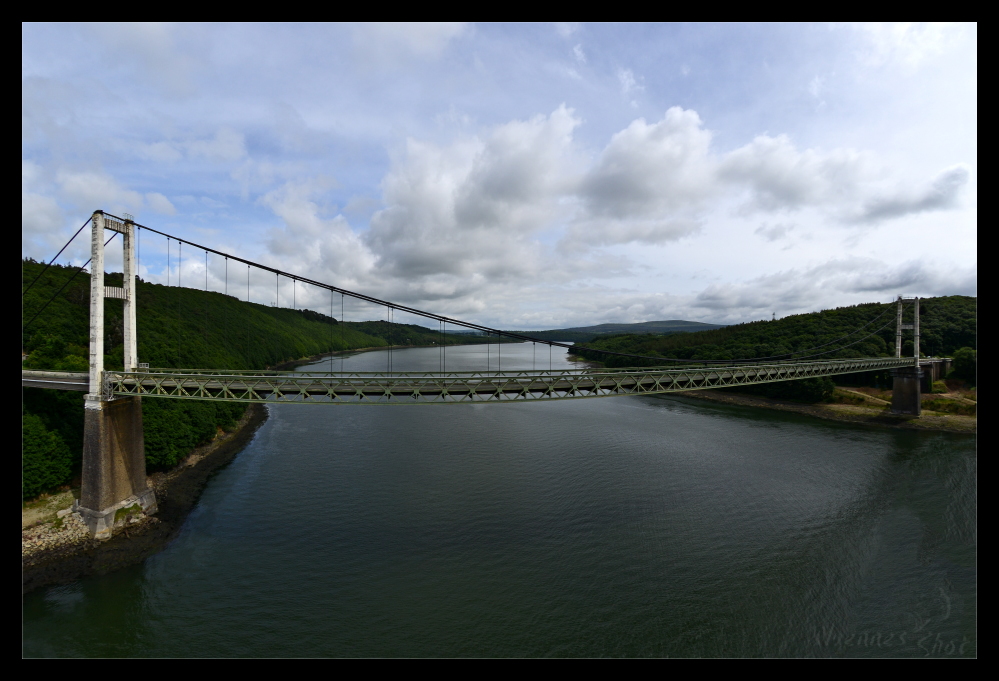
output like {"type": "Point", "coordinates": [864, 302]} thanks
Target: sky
{"type": "Point", "coordinates": [521, 176]}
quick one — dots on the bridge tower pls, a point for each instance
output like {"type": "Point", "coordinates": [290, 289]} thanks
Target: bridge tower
{"type": "Point", "coordinates": [906, 381]}
{"type": "Point", "coordinates": [114, 459]}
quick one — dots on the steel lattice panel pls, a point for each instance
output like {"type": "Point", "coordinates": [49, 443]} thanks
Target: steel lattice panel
{"type": "Point", "coordinates": [451, 388]}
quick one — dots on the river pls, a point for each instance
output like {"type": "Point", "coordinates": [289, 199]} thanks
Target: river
{"type": "Point", "coordinates": [621, 526]}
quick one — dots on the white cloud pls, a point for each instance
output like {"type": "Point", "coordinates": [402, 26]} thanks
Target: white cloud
{"type": "Point", "coordinates": [577, 52]}
{"type": "Point", "coordinates": [566, 28]}
{"type": "Point", "coordinates": [391, 43]}
{"type": "Point", "coordinates": [941, 194]}
{"type": "Point", "coordinates": [153, 46]}
{"type": "Point", "coordinates": [821, 286]}
{"type": "Point", "coordinates": [92, 190]}
{"type": "Point", "coordinates": [652, 170]}
{"type": "Point", "coordinates": [160, 204]}
{"type": "Point", "coordinates": [226, 145]}
{"type": "Point", "coordinates": [779, 177]}
{"type": "Point", "coordinates": [312, 241]}
{"type": "Point", "coordinates": [774, 232]}
{"type": "Point", "coordinates": [909, 44]}
{"type": "Point", "coordinates": [472, 207]}
{"type": "Point", "coordinates": [628, 82]}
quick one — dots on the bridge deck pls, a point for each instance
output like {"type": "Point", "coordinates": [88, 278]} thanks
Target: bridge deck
{"type": "Point", "coordinates": [426, 387]}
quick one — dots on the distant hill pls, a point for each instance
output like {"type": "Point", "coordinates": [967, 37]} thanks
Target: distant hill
{"type": "Point", "coordinates": [582, 334]}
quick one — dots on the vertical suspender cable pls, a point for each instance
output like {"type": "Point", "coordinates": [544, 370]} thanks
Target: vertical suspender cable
{"type": "Point", "coordinates": [247, 346]}
{"type": "Point", "coordinates": [331, 331]}
{"type": "Point", "coordinates": [168, 261]}
{"type": "Point", "coordinates": [206, 295]}
{"type": "Point", "coordinates": [225, 307]}
{"type": "Point", "coordinates": [180, 262]}
{"type": "Point", "coordinates": [343, 340]}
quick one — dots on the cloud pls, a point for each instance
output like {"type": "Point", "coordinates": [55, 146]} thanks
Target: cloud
{"type": "Point", "coordinates": [941, 194]}
{"type": "Point", "coordinates": [909, 44]}
{"type": "Point", "coordinates": [160, 204]}
{"type": "Point", "coordinates": [779, 177]}
{"type": "Point", "coordinates": [41, 215]}
{"type": "Point", "coordinates": [92, 190]}
{"type": "Point", "coordinates": [652, 170]}
{"type": "Point", "coordinates": [473, 206]}
{"type": "Point", "coordinates": [577, 52]}
{"type": "Point", "coordinates": [774, 232]}
{"type": "Point", "coordinates": [226, 145]}
{"type": "Point", "coordinates": [390, 43]}
{"type": "Point", "coordinates": [628, 83]}
{"type": "Point", "coordinates": [315, 240]}
{"type": "Point", "coordinates": [827, 284]}
{"type": "Point", "coordinates": [154, 47]}
{"type": "Point", "coordinates": [566, 28]}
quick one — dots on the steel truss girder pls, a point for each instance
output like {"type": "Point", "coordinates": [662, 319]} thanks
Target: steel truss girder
{"type": "Point", "coordinates": [458, 387]}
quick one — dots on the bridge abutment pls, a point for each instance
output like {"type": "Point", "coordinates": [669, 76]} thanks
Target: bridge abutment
{"type": "Point", "coordinates": [906, 384]}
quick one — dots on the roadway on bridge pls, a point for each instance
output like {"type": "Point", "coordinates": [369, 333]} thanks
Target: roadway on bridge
{"type": "Point", "coordinates": [433, 387]}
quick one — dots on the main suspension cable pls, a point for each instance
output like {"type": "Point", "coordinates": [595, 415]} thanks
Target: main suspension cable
{"type": "Point", "coordinates": [469, 325]}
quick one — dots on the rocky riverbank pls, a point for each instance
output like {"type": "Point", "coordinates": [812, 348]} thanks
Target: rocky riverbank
{"type": "Point", "coordinates": [867, 411]}
{"type": "Point", "coordinates": [61, 550]}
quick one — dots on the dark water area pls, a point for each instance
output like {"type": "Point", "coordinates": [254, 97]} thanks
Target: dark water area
{"type": "Point", "coordinates": [623, 526]}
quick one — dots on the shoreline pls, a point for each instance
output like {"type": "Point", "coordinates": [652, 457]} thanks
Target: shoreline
{"type": "Point", "coordinates": [843, 413]}
{"type": "Point", "coordinates": [59, 551]}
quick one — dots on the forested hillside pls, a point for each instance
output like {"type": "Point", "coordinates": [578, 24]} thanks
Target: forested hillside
{"type": "Point", "coordinates": [177, 327]}
{"type": "Point", "coordinates": [948, 327]}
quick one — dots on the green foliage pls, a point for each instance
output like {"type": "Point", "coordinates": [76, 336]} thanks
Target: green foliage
{"type": "Point", "coordinates": [939, 387]}
{"type": "Point", "coordinates": [947, 406]}
{"type": "Point", "coordinates": [61, 412]}
{"type": "Point", "coordinates": [966, 365]}
{"type": "Point", "coordinates": [46, 461]}
{"type": "Point", "coordinates": [172, 428]}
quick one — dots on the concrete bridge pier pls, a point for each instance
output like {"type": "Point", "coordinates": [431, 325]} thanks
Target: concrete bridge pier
{"type": "Point", "coordinates": [114, 457]}
{"type": "Point", "coordinates": [114, 465]}
{"type": "Point", "coordinates": [905, 397]}
{"type": "Point", "coordinates": [907, 381]}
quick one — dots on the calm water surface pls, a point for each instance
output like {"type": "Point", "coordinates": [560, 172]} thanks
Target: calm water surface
{"type": "Point", "coordinates": [624, 526]}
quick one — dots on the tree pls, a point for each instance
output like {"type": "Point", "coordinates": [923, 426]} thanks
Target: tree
{"type": "Point", "coordinates": [45, 459]}
{"type": "Point", "coordinates": [966, 365]}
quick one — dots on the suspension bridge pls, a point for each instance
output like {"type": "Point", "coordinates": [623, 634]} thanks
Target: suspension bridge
{"type": "Point", "coordinates": [114, 477]}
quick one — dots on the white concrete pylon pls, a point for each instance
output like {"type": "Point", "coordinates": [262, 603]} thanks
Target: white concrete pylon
{"type": "Point", "coordinates": [96, 304]}
{"type": "Point", "coordinates": [131, 353]}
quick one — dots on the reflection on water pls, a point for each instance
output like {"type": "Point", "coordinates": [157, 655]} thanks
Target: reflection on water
{"type": "Point", "coordinates": [635, 526]}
